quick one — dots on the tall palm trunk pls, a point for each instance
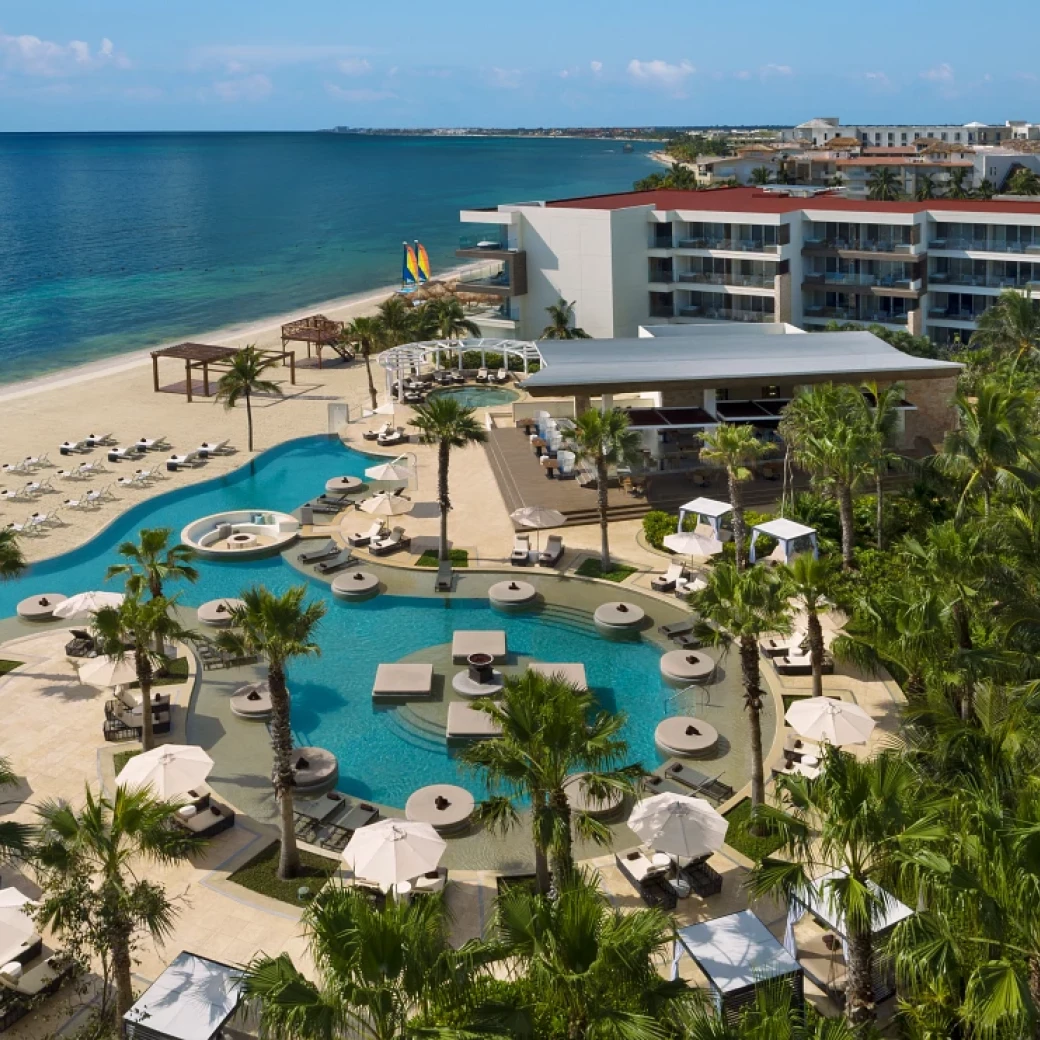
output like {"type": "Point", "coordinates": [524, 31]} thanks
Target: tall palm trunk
{"type": "Point", "coordinates": [859, 986]}
{"type": "Point", "coordinates": [1034, 990]}
{"type": "Point", "coordinates": [562, 850]}
{"type": "Point", "coordinates": [122, 969]}
{"type": "Point", "coordinates": [540, 811]}
{"type": "Point", "coordinates": [367, 355]}
{"type": "Point", "coordinates": [144, 676]}
{"type": "Point", "coordinates": [752, 681]}
{"type": "Point", "coordinates": [156, 590]}
{"type": "Point", "coordinates": [815, 651]}
{"type": "Point", "coordinates": [249, 419]}
{"type": "Point", "coordinates": [962, 624]}
{"type": "Point", "coordinates": [443, 457]}
{"type": "Point", "coordinates": [736, 500]}
{"type": "Point", "coordinates": [601, 502]}
{"type": "Point", "coordinates": [282, 746]}
{"type": "Point", "coordinates": [880, 517]}
{"type": "Point", "coordinates": [848, 533]}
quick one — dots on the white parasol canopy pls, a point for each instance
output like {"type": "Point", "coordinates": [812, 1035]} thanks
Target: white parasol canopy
{"type": "Point", "coordinates": [393, 851]}
{"type": "Point", "coordinates": [104, 672]}
{"type": "Point", "coordinates": [12, 898]}
{"type": "Point", "coordinates": [170, 771]}
{"type": "Point", "coordinates": [390, 471]}
{"type": "Point", "coordinates": [386, 505]}
{"type": "Point", "coordinates": [679, 825]}
{"type": "Point", "coordinates": [537, 516]}
{"type": "Point", "coordinates": [87, 603]}
{"type": "Point", "coordinates": [826, 719]}
{"type": "Point", "coordinates": [686, 543]}
{"type": "Point", "coordinates": [15, 923]}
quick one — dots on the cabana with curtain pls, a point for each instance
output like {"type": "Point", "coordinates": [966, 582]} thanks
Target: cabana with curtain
{"type": "Point", "coordinates": [707, 511]}
{"type": "Point", "coordinates": [794, 538]}
{"type": "Point", "coordinates": [824, 962]}
{"type": "Point", "coordinates": [737, 954]}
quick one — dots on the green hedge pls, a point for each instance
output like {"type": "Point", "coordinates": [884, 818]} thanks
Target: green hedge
{"type": "Point", "coordinates": [657, 524]}
{"type": "Point", "coordinates": [472, 359]}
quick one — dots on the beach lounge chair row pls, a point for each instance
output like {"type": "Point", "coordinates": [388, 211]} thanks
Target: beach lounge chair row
{"type": "Point", "coordinates": [332, 564]}
{"type": "Point", "coordinates": [26, 465]}
{"type": "Point", "coordinates": [550, 556]}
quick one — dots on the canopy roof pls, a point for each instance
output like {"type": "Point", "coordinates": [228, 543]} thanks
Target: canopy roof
{"type": "Point", "coordinates": [737, 951]}
{"type": "Point", "coordinates": [819, 902]}
{"type": "Point", "coordinates": [707, 507]}
{"type": "Point", "coordinates": [190, 1000]}
{"type": "Point", "coordinates": [196, 352]}
{"type": "Point", "coordinates": [783, 530]}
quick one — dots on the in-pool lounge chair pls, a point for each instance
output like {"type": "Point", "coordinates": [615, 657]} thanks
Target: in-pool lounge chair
{"type": "Point", "coordinates": [344, 558]}
{"type": "Point", "coordinates": [325, 552]}
{"type": "Point", "coordinates": [391, 543]}
{"type": "Point", "coordinates": [444, 572]}
{"type": "Point", "coordinates": [551, 555]}
{"type": "Point", "coordinates": [521, 555]}
{"type": "Point", "coordinates": [359, 538]}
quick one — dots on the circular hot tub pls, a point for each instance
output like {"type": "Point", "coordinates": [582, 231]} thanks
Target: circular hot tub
{"type": "Point", "coordinates": [241, 532]}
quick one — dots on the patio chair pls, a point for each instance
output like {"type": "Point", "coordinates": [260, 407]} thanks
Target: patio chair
{"type": "Point", "coordinates": [391, 543]}
{"type": "Point", "coordinates": [553, 551]}
{"type": "Point", "coordinates": [329, 549]}
{"type": "Point", "coordinates": [359, 538]}
{"type": "Point", "coordinates": [502, 376]}
{"type": "Point", "coordinates": [649, 879]}
{"type": "Point", "coordinates": [521, 555]}
{"type": "Point", "coordinates": [666, 582]}
{"type": "Point", "coordinates": [482, 375]}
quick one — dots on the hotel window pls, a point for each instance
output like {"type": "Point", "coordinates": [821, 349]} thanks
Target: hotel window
{"type": "Point", "coordinates": [770, 391]}
{"type": "Point", "coordinates": [917, 135]}
{"type": "Point", "coordinates": [902, 138]}
{"type": "Point", "coordinates": [891, 138]}
{"type": "Point", "coordinates": [721, 395]}
{"type": "Point", "coordinates": [942, 136]}
{"type": "Point", "coordinates": [877, 139]}
{"type": "Point", "coordinates": [957, 136]}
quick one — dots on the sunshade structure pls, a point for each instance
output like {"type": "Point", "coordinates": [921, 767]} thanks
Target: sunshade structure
{"type": "Point", "coordinates": [686, 543]}
{"type": "Point", "coordinates": [386, 505]}
{"type": "Point", "coordinates": [87, 603]}
{"type": "Point", "coordinates": [169, 771]}
{"type": "Point", "coordinates": [537, 517]}
{"type": "Point", "coordinates": [396, 472]}
{"type": "Point", "coordinates": [825, 719]}
{"type": "Point", "coordinates": [738, 954]}
{"type": "Point", "coordinates": [709, 510]}
{"type": "Point", "coordinates": [11, 898]}
{"type": "Point", "coordinates": [15, 924]}
{"type": "Point", "coordinates": [192, 999]}
{"type": "Point", "coordinates": [393, 851]}
{"type": "Point", "coordinates": [105, 672]}
{"type": "Point", "coordinates": [679, 825]}
{"type": "Point", "coordinates": [820, 901]}
{"type": "Point", "coordinates": [793, 537]}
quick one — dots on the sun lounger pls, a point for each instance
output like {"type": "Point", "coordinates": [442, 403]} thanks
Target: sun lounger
{"type": "Point", "coordinates": [95, 440]}
{"type": "Point", "coordinates": [666, 582]}
{"type": "Point", "coordinates": [684, 586]}
{"type": "Point", "coordinates": [152, 443]}
{"type": "Point", "coordinates": [394, 437]}
{"type": "Point", "coordinates": [649, 879]}
{"type": "Point", "coordinates": [208, 448]}
{"type": "Point", "coordinates": [443, 583]}
{"type": "Point", "coordinates": [326, 507]}
{"type": "Point", "coordinates": [801, 664]}
{"type": "Point", "coordinates": [38, 487]}
{"type": "Point", "coordinates": [359, 816]}
{"type": "Point", "coordinates": [174, 462]}
{"type": "Point", "coordinates": [795, 747]}
{"type": "Point", "coordinates": [711, 787]}
{"type": "Point", "coordinates": [329, 549]}
{"type": "Point", "coordinates": [207, 823]}
{"type": "Point", "coordinates": [703, 879]}
{"type": "Point", "coordinates": [553, 551]}
{"type": "Point", "coordinates": [677, 628]}
{"type": "Point", "coordinates": [521, 555]}
{"type": "Point", "coordinates": [23, 528]}
{"type": "Point", "coordinates": [38, 461]}
{"type": "Point", "coordinates": [118, 454]}
{"type": "Point", "coordinates": [344, 558]}
{"type": "Point", "coordinates": [501, 376]}
{"type": "Point", "coordinates": [70, 447]}
{"type": "Point", "coordinates": [482, 375]}
{"type": "Point", "coordinates": [430, 883]}
{"type": "Point", "coordinates": [359, 539]}
{"type": "Point", "coordinates": [393, 542]}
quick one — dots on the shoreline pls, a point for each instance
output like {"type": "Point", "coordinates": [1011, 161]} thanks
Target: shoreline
{"type": "Point", "coordinates": [257, 327]}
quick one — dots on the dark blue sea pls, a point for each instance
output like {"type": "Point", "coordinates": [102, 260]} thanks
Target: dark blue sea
{"type": "Point", "coordinates": [115, 242]}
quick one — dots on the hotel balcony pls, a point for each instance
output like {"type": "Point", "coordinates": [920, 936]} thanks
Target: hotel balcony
{"type": "Point", "coordinates": [860, 241]}
{"type": "Point", "coordinates": [865, 284]}
{"type": "Point", "coordinates": [506, 278]}
{"type": "Point", "coordinates": [728, 245]}
{"type": "Point", "coordinates": [981, 274]}
{"type": "Point", "coordinates": [1019, 240]}
{"type": "Point", "coordinates": [815, 314]}
{"type": "Point", "coordinates": [726, 314]}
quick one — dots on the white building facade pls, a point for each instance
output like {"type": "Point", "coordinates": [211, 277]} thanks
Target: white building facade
{"type": "Point", "coordinates": [821, 129]}
{"type": "Point", "coordinates": [752, 255]}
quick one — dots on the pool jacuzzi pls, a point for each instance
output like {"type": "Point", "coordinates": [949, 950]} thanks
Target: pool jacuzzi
{"type": "Point", "coordinates": [238, 533]}
{"type": "Point", "coordinates": [478, 396]}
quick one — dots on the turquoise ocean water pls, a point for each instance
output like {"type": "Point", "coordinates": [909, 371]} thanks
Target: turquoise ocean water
{"type": "Point", "coordinates": [116, 242]}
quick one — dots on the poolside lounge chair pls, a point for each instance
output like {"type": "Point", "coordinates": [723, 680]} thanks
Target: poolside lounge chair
{"type": "Point", "coordinates": [327, 507]}
{"type": "Point", "coordinates": [152, 443]}
{"type": "Point", "coordinates": [344, 558]}
{"type": "Point", "coordinates": [23, 528]}
{"type": "Point", "coordinates": [371, 435]}
{"type": "Point", "coordinates": [692, 583]}
{"type": "Point", "coordinates": [501, 376]}
{"type": "Point", "coordinates": [430, 883]}
{"type": "Point", "coordinates": [551, 555]}
{"type": "Point", "coordinates": [649, 879]}
{"type": "Point", "coordinates": [208, 448]}
{"type": "Point", "coordinates": [22, 989]}
{"type": "Point", "coordinates": [482, 375]}
{"type": "Point", "coordinates": [795, 747]}
{"type": "Point", "coordinates": [521, 555]}
{"type": "Point", "coordinates": [703, 879]}
{"type": "Point", "coordinates": [677, 628]}
{"type": "Point", "coordinates": [393, 437]}
{"type": "Point", "coordinates": [782, 646]}
{"type": "Point", "coordinates": [444, 572]}
{"type": "Point", "coordinates": [37, 461]}
{"type": "Point", "coordinates": [205, 823]}
{"type": "Point", "coordinates": [710, 787]}
{"type": "Point", "coordinates": [666, 582]}
{"type": "Point", "coordinates": [329, 549]}
{"type": "Point", "coordinates": [800, 663]}
{"type": "Point", "coordinates": [391, 543]}
{"type": "Point", "coordinates": [70, 447]}
{"type": "Point", "coordinates": [174, 462]}
{"type": "Point", "coordinates": [363, 538]}
{"type": "Point", "coordinates": [38, 487]}
{"type": "Point", "coordinates": [118, 454]}
{"type": "Point", "coordinates": [96, 440]}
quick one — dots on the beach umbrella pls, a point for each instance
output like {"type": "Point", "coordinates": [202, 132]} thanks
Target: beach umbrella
{"type": "Point", "coordinates": [16, 924]}
{"type": "Point", "coordinates": [390, 471]}
{"type": "Point", "coordinates": [686, 543]}
{"type": "Point", "coordinates": [679, 825]}
{"type": "Point", "coordinates": [386, 505]}
{"type": "Point", "coordinates": [393, 851]}
{"type": "Point", "coordinates": [11, 898]}
{"type": "Point", "coordinates": [105, 672]}
{"type": "Point", "coordinates": [826, 719]}
{"type": "Point", "coordinates": [170, 771]}
{"type": "Point", "coordinates": [537, 517]}
{"type": "Point", "coordinates": [87, 603]}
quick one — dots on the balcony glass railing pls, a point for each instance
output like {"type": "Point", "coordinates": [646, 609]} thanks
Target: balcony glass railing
{"type": "Point", "coordinates": [753, 281]}
{"type": "Point", "coordinates": [860, 317]}
{"type": "Point", "coordinates": [733, 245]}
{"type": "Point", "coordinates": [485, 240]}
{"type": "Point", "coordinates": [982, 281]}
{"type": "Point", "coordinates": [955, 314]}
{"type": "Point", "coordinates": [982, 245]}
{"type": "Point", "coordinates": [863, 245]}
{"type": "Point", "coordinates": [842, 278]}
{"type": "Point", "coordinates": [725, 314]}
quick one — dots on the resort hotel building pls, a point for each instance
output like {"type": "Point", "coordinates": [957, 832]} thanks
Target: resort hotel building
{"type": "Point", "coordinates": [781, 255]}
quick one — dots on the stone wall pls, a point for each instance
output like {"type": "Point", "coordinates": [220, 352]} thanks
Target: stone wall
{"type": "Point", "coordinates": [935, 413]}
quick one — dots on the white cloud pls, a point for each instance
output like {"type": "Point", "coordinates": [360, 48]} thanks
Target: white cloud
{"type": "Point", "coordinates": [359, 95]}
{"type": "Point", "coordinates": [596, 66]}
{"type": "Point", "coordinates": [879, 80]}
{"type": "Point", "coordinates": [355, 67]}
{"type": "Point", "coordinates": [31, 56]}
{"type": "Point", "coordinates": [661, 74]}
{"type": "Point", "coordinates": [243, 55]}
{"type": "Point", "coordinates": [247, 88]}
{"type": "Point", "coordinates": [769, 70]}
{"type": "Point", "coordinates": [743, 74]}
{"type": "Point", "coordinates": [1026, 77]}
{"type": "Point", "coordinates": [940, 74]}
{"type": "Point", "coordinates": [505, 79]}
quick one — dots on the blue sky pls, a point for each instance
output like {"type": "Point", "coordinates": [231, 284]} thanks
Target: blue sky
{"type": "Point", "coordinates": [229, 64]}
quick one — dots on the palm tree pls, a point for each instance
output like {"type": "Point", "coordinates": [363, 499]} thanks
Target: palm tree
{"type": "Point", "coordinates": [379, 972]}
{"type": "Point", "coordinates": [585, 965]}
{"type": "Point", "coordinates": [811, 581]}
{"type": "Point", "coordinates": [395, 316]}
{"type": "Point", "coordinates": [448, 424]}
{"type": "Point", "coordinates": [772, 1016]}
{"type": "Point", "coordinates": [1024, 182]}
{"type": "Point", "coordinates": [882, 417]}
{"type": "Point", "coordinates": [367, 333]}
{"type": "Point", "coordinates": [604, 439]}
{"type": "Point", "coordinates": [883, 185]}
{"type": "Point", "coordinates": [561, 316]}
{"type": "Point", "coordinates": [862, 820]}
{"type": "Point", "coordinates": [826, 434]}
{"type": "Point", "coordinates": [12, 559]}
{"type": "Point", "coordinates": [985, 190]}
{"type": "Point", "coordinates": [278, 629]}
{"type": "Point", "coordinates": [245, 377]}
{"type": "Point", "coordinates": [91, 855]}
{"type": "Point", "coordinates": [761, 175]}
{"type": "Point", "coordinates": [1010, 327]}
{"type": "Point", "coordinates": [743, 606]}
{"type": "Point", "coordinates": [452, 322]}
{"type": "Point", "coordinates": [547, 736]}
{"type": "Point", "coordinates": [924, 187]}
{"type": "Point", "coordinates": [955, 186]}
{"type": "Point", "coordinates": [424, 321]}
{"type": "Point", "coordinates": [143, 626]}
{"type": "Point", "coordinates": [735, 448]}
{"type": "Point", "coordinates": [15, 838]}
{"type": "Point", "coordinates": [992, 447]}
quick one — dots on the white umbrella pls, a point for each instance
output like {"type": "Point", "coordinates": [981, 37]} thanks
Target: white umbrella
{"type": "Point", "coordinates": [679, 825]}
{"type": "Point", "coordinates": [87, 603]}
{"type": "Point", "coordinates": [104, 672]}
{"type": "Point", "coordinates": [386, 505]}
{"type": "Point", "coordinates": [537, 517]}
{"type": "Point", "coordinates": [389, 471]}
{"type": "Point", "coordinates": [393, 851]}
{"type": "Point", "coordinates": [830, 720]}
{"type": "Point", "coordinates": [16, 923]}
{"type": "Point", "coordinates": [170, 770]}
{"type": "Point", "coordinates": [686, 543]}
{"type": "Point", "coordinates": [12, 898]}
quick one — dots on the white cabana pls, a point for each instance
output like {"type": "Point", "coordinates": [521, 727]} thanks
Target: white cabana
{"type": "Point", "coordinates": [707, 510]}
{"type": "Point", "coordinates": [737, 954]}
{"type": "Point", "coordinates": [788, 533]}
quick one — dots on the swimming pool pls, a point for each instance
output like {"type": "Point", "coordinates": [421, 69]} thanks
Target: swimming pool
{"type": "Point", "coordinates": [478, 396]}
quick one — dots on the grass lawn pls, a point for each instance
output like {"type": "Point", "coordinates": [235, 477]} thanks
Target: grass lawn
{"type": "Point", "coordinates": [458, 557]}
{"type": "Point", "coordinates": [590, 568]}
{"type": "Point", "coordinates": [9, 666]}
{"type": "Point", "coordinates": [754, 848]}
{"type": "Point", "coordinates": [177, 672]}
{"type": "Point", "coordinates": [121, 758]}
{"type": "Point", "coordinates": [791, 698]}
{"type": "Point", "coordinates": [260, 875]}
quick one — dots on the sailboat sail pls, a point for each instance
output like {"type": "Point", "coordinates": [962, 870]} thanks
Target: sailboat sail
{"type": "Point", "coordinates": [410, 266]}
{"type": "Point", "coordinates": [424, 261]}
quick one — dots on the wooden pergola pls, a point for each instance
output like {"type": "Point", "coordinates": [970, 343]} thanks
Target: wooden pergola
{"type": "Point", "coordinates": [204, 356]}
{"type": "Point", "coordinates": [319, 332]}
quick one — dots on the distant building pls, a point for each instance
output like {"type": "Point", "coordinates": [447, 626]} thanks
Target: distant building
{"type": "Point", "coordinates": [822, 129]}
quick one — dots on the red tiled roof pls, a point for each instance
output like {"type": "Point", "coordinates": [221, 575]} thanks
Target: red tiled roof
{"type": "Point", "coordinates": [754, 200]}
